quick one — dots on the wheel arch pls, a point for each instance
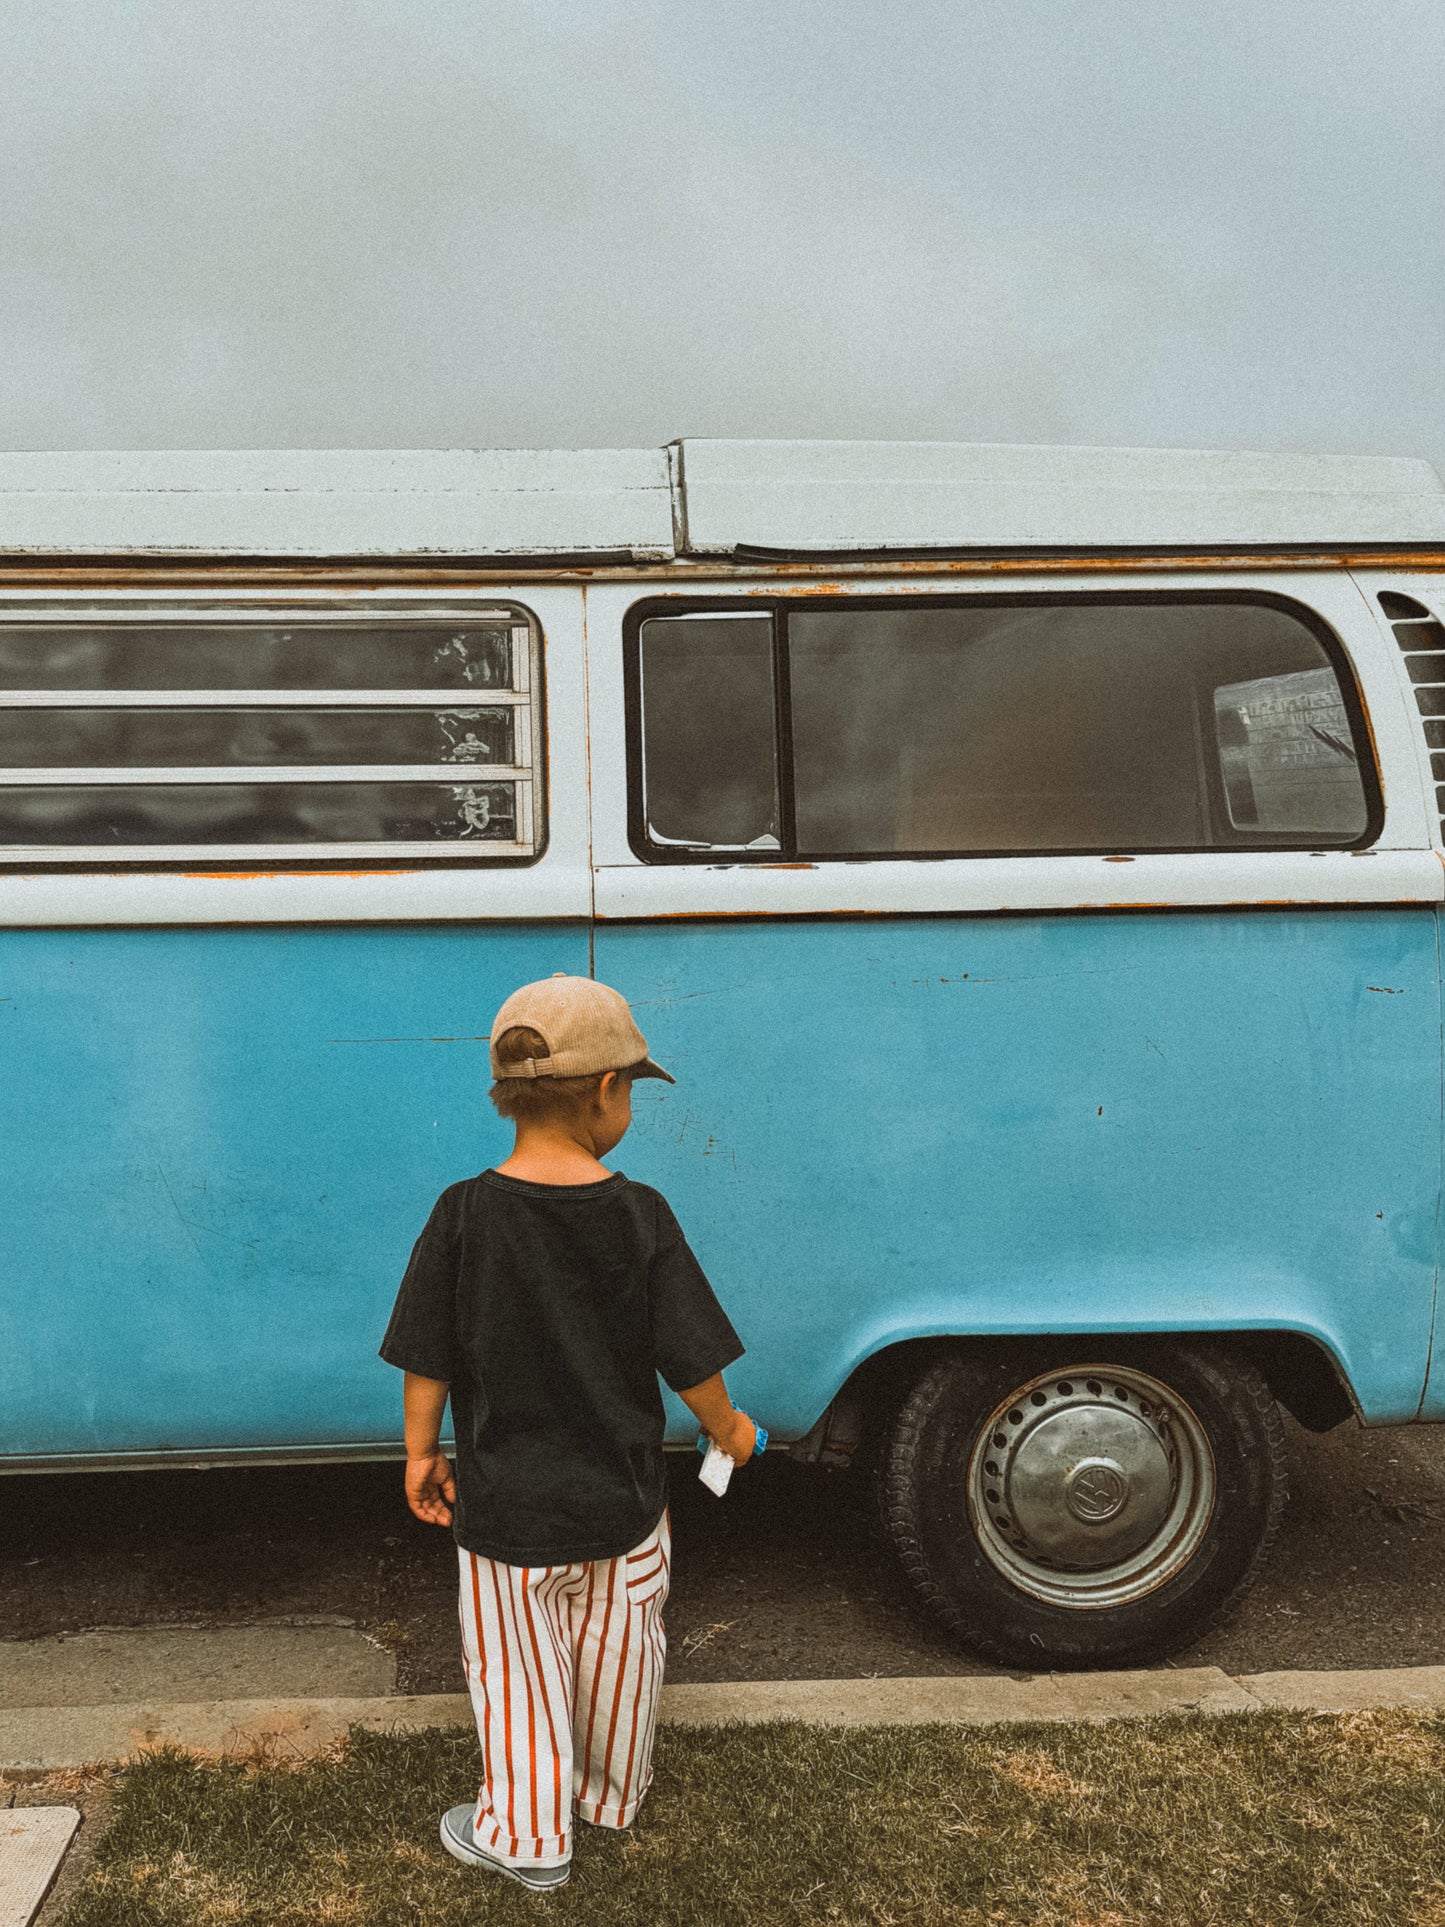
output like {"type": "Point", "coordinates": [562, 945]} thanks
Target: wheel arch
{"type": "Point", "coordinates": [1302, 1373]}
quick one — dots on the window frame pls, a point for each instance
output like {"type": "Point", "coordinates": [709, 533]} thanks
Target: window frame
{"type": "Point", "coordinates": [779, 607]}
{"type": "Point", "coordinates": [530, 739]}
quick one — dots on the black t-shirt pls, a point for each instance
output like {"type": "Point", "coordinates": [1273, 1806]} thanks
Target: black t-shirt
{"type": "Point", "coordinates": [550, 1309]}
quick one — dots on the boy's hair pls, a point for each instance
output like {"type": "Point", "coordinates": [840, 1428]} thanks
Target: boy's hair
{"type": "Point", "coordinates": [529, 1100]}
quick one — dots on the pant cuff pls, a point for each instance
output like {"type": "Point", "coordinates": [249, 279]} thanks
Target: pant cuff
{"type": "Point", "coordinates": [604, 1814]}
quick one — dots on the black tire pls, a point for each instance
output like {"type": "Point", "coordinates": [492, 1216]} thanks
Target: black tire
{"type": "Point", "coordinates": [983, 1576]}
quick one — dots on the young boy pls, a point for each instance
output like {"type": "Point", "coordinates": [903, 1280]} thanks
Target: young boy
{"type": "Point", "coordinates": [545, 1296]}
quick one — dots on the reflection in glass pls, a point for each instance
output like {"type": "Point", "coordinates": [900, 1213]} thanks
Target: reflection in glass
{"type": "Point", "coordinates": [1286, 754]}
{"type": "Point", "coordinates": [219, 738]}
{"type": "Point", "coordinates": [49, 815]}
{"type": "Point", "coordinates": [249, 656]}
{"type": "Point", "coordinates": [710, 767]}
{"type": "Point", "coordinates": [1035, 727]}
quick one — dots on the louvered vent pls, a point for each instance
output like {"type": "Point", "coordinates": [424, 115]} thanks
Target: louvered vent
{"type": "Point", "coordinates": [1422, 637]}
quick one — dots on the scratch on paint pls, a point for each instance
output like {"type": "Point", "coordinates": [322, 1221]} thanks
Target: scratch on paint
{"type": "Point", "coordinates": [408, 1040]}
{"type": "Point", "coordinates": [681, 997]}
{"type": "Point", "coordinates": [181, 1217]}
{"type": "Point", "coordinates": [1385, 990]}
{"type": "Point", "coordinates": [924, 983]}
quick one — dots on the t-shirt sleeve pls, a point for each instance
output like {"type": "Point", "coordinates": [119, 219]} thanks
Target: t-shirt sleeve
{"type": "Point", "coordinates": [422, 1335]}
{"type": "Point", "coordinates": [691, 1335]}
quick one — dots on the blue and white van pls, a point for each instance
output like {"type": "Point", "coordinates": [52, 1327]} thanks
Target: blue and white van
{"type": "Point", "coordinates": [1029, 861]}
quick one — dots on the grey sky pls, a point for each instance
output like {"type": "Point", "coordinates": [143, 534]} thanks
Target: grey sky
{"type": "Point", "coordinates": [454, 222]}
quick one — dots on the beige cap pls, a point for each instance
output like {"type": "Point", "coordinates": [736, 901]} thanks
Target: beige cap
{"type": "Point", "coordinates": [587, 1026]}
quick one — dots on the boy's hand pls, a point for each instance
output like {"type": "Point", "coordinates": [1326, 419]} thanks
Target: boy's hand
{"type": "Point", "coordinates": [431, 1491]}
{"type": "Point", "coordinates": [737, 1438]}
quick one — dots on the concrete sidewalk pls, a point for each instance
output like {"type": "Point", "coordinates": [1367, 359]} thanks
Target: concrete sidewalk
{"type": "Point", "coordinates": [50, 1737]}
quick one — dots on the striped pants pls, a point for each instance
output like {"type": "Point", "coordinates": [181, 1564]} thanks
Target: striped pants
{"type": "Point", "coordinates": [564, 1666]}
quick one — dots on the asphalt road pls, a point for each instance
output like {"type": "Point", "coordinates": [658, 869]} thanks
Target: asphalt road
{"type": "Point", "coordinates": [782, 1578]}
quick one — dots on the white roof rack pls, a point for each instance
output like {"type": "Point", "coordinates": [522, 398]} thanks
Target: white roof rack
{"type": "Point", "coordinates": [839, 496]}
{"type": "Point", "coordinates": [317, 502]}
{"type": "Point", "coordinates": [706, 498]}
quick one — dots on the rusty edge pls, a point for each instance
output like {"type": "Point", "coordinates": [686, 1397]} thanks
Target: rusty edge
{"type": "Point", "coordinates": [24, 572]}
{"type": "Point", "coordinates": [1024, 909]}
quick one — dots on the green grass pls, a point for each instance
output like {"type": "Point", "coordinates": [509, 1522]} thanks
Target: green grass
{"type": "Point", "coordinates": [1237, 1819]}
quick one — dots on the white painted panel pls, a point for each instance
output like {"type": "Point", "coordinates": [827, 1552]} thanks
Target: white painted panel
{"type": "Point", "coordinates": [338, 502]}
{"type": "Point", "coordinates": [914, 495]}
{"type": "Point", "coordinates": [982, 885]}
{"type": "Point", "coordinates": [1400, 868]}
{"type": "Point", "coordinates": [1430, 591]}
{"type": "Point", "coordinates": [549, 889]}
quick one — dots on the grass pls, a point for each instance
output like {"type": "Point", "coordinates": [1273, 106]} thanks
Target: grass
{"type": "Point", "coordinates": [1247, 1820]}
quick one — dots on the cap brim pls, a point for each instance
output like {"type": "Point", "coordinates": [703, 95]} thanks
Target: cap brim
{"type": "Point", "coordinates": [648, 1069]}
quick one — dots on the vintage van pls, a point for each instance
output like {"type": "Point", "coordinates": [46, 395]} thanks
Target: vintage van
{"type": "Point", "coordinates": [1028, 860]}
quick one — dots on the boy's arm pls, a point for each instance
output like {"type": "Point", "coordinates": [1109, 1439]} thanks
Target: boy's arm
{"type": "Point", "coordinates": [715, 1412]}
{"type": "Point", "coordinates": [430, 1488]}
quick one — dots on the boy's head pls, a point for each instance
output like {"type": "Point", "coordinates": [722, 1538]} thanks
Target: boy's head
{"type": "Point", "coordinates": [553, 1042]}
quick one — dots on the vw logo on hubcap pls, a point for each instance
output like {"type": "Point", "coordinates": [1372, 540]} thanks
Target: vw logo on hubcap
{"type": "Point", "coordinates": [1096, 1489]}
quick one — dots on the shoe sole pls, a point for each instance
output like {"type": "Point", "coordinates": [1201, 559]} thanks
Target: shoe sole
{"type": "Point", "coordinates": [470, 1857]}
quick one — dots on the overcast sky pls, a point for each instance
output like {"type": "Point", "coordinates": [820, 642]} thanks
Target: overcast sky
{"type": "Point", "coordinates": [414, 223]}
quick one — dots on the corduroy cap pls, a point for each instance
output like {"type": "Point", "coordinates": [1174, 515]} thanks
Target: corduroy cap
{"type": "Point", "coordinates": [586, 1026]}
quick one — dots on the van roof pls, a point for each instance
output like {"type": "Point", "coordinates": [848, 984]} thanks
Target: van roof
{"type": "Point", "coordinates": [708, 498]}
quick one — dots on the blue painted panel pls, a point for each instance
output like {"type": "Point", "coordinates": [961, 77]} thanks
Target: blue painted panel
{"type": "Point", "coordinates": [217, 1146]}
{"type": "Point", "coordinates": [1134, 1122]}
{"type": "Point", "coordinates": [216, 1149]}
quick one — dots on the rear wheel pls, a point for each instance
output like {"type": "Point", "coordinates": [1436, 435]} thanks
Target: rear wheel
{"type": "Point", "coordinates": [1065, 1505]}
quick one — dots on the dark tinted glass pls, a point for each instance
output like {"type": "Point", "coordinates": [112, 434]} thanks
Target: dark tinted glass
{"type": "Point", "coordinates": [1066, 727]}
{"type": "Point", "coordinates": [709, 761]}
{"type": "Point", "coordinates": [242, 656]}
{"type": "Point", "coordinates": [219, 737]}
{"type": "Point", "coordinates": [50, 815]}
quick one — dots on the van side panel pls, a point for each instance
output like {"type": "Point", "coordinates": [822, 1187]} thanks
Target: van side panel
{"type": "Point", "coordinates": [216, 1149]}
{"type": "Point", "coordinates": [893, 1127]}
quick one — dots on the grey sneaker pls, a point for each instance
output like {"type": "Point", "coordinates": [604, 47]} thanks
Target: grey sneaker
{"type": "Point", "coordinates": [459, 1839]}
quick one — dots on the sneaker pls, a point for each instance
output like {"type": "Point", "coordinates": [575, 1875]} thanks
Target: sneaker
{"type": "Point", "coordinates": [459, 1839]}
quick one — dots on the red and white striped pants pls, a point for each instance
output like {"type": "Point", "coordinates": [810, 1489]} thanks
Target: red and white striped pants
{"type": "Point", "coordinates": [564, 1666]}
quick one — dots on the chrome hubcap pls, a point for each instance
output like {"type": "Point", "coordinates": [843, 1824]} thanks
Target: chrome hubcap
{"type": "Point", "coordinates": [1092, 1486]}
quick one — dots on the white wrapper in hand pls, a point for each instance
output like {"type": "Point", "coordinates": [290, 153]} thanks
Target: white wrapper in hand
{"type": "Point", "coordinates": [716, 1470]}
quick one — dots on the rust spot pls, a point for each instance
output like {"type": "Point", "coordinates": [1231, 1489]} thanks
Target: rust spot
{"type": "Point", "coordinates": [1374, 746]}
{"type": "Point", "coordinates": [787, 866]}
{"type": "Point", "coordinates": [1118, 859]}
{"type": "Point", "coordinates": [304, 876]}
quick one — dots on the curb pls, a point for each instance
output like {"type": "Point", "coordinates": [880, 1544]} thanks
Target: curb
{"type": "Point", "coordinates": [45, 1738]}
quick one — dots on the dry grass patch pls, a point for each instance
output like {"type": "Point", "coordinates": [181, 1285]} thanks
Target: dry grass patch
{"type": "Point", "coordinates": [1035, 1773]}
{"type": "Point", "coordinates": [1239, 1820]}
